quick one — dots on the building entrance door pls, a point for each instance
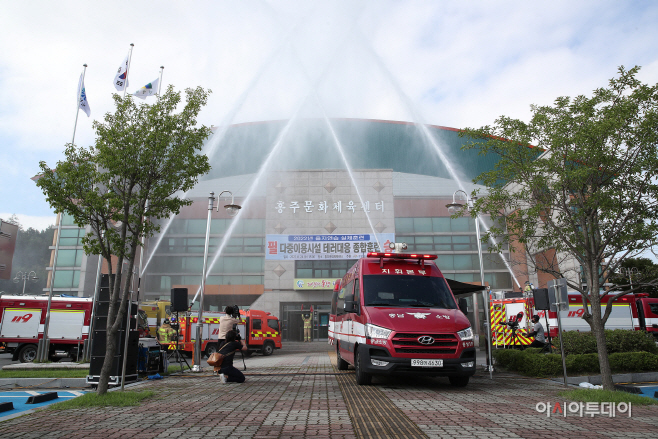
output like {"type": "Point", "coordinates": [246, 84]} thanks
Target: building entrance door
{"type": "Point", "coordinates": [323, 325]}
{"type": "Point", "coordinates": [295, 326]}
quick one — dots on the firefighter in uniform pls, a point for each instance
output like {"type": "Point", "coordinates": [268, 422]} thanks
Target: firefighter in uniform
{"type": "Point", "coordinates": [166, 332]}
{"type": "Point", "coordinates": [307, 327]}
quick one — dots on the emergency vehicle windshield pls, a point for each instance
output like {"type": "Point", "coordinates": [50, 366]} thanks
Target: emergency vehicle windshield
{"type": "Point", "coordinates": [407, 291]}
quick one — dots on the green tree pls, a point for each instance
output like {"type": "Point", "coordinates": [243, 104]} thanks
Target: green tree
{"type": "Point", "coordinates": [587, 189]}
{"type": "Point", "coordinates": [32, 254]}
{"type": "Point", "coordinates": [636, 274]}
{"type": "Point", "coordinates": [144, 155]}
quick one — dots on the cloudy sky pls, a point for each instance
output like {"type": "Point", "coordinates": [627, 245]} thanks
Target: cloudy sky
{"type": "Point", "coordinates": [451, 63]}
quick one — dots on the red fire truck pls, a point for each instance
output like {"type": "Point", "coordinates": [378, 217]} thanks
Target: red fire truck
{"type": "Point", "coordinates": [263, 332]}
{"type": "Point", "coordinates": [395, 313]}
{"type": "Point", "coordinates": [22, 320]}
{"type": "Point", "coordinates": [632, 311]}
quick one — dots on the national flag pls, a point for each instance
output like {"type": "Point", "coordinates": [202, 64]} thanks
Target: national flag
{"type": "Point", "coordinates": [121, 78]}
{"type": "Point", "coordinates": [149, 89]}
{"type": "Point", "coordinates": [83, 104]}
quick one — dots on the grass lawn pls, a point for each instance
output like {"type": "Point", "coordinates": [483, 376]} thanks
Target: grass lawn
{"type": "Point", "coordinates": [110, 399]}
{"type": "Point", "coordinates": [45, 373]}
{"type": "Point", "coordinates": [599, 395]}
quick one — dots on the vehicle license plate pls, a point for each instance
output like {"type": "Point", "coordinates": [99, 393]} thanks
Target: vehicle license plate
{"type": "Point", "coordinates": [426, 363]}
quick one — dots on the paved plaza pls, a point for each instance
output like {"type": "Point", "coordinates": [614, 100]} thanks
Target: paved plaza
{"type": "Point", "coordinates": [297, 392]}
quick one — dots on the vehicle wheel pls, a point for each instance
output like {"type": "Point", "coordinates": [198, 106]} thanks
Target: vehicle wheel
{"type": "Point", "coordinates": [28, 353]}
{"type": "Point", "coordinates": [248, 353]}
{"type": "Point", "coordinates": [362, 378]}
{"type": "Point", "coordinates": [459, 381]}
{"type": "Point", "coordinates": [268, 348]}
{"type": "Point", "coordinates": [211, 348]}
{"type": "Point", "coordinates": [340, 363]}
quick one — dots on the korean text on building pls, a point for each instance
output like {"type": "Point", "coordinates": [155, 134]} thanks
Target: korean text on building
{"type": "Point", "coordinates": [323, 247]}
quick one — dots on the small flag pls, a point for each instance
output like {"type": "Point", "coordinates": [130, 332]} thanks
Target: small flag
{"type": "Point", "coordinates": [121, 78]}
{"type": "Point", "coordinates": [150, 89]}
{"type": "Point", "coordinates": [82, 97]}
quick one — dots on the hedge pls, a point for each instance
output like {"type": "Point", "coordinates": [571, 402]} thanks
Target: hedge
{"type": "Point", "coordinates": [617, 340]}
{"type": "Point", "coordinates": [529, 362]}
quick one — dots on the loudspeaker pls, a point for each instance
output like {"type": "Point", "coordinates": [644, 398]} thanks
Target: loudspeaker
{"type": "Point", "coordinates": [541, 299]}
{"type": "Point", "coordinates": [96, 364]}
{"type": "Point", "coordinates": [100, 323]}
{"type": "Point", "coordinates": [179, 300]}
{"type": "Point", "coordinates": [100, 342]}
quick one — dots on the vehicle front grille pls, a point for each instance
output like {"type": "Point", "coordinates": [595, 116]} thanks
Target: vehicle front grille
{"type": "Point", "coordinates": [407, 343]}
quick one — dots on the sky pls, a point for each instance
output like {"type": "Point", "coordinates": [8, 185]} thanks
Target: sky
{"type": "Point", "coordinates": [455, 64]}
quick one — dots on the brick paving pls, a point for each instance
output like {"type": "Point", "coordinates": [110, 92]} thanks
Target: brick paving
{"type": "Point", "coordinates": [298, 393]}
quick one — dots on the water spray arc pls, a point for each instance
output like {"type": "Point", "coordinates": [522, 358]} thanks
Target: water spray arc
{"type": "Point", "coordinates": [229, 232]}
{"type": "Point", "coordinates": [210, 148]}
{"type": "Point", "coordinates": [422, 126]}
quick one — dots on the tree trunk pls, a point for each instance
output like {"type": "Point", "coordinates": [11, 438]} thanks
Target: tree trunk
{"type": "Point", "coordinates": [114, 323]}
{"type": "Point", "coordinates": [601, 346]}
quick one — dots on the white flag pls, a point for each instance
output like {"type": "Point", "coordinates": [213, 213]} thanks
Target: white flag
{"type": "Point", "coordinates": [150, 89]}
{"type": "Point", "coordinates": [121, 78]}
{"type": "Point", "coordinates": [82, 97]}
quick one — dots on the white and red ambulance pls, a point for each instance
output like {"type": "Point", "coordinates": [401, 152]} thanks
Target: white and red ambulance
{"type": "Point", "coordinates": [395, 313]}
{"type": "Point", "coordinates": [22, 320]}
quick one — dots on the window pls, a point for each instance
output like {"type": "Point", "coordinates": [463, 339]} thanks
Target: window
{"type": "Point", "coordinates": [71, 237]}
{"type": "Point", "coordinates": [653, 308]}
{"type": "Point", "coordinates": [66, 279]}
{"type": "Point", "coordinates": [256, 324]}
{"type": "Point", "coordinates": [273, 324]}
{"type": "Point", "coordinates": [407, 291]}
{"type": "Point", "coordinates": [322, 269]}
{"type": "Point", "coordinates": [69, 258]}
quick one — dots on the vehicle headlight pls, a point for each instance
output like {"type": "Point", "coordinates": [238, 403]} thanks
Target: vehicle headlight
{"type": "Point", "coordinates": [373, 331]}
{"type": "Point", "coordinates": [465, 334]}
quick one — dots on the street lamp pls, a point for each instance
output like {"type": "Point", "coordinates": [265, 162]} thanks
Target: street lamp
{"type": "Point", "coordinates": [232, 210]}
{"type": "Point", "coordinates": [453, 208]}
{"type": "Point", "coordinates": [25, 276]}
{"type": "Point", "coordinates": [629, 272]}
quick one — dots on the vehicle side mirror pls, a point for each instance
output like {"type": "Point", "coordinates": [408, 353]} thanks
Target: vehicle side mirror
{"type": "Point", "coordinates": [350, 305]}
{"type": "Point", "coordinates": [463, 305]}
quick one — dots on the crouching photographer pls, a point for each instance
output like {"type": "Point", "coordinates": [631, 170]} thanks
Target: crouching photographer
{"type": "Point", "coordinates": [227, 322]}
{"type": "Point", "coordinates": [228, 373]}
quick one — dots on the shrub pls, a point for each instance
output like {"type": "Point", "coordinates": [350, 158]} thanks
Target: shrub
{"type": "Point", "coordinates": [507, 358]}
{"type": "Point", "coordinates": [585, 363]}
{"type": "Point", "coordinates": [624, 340]}
{"type": "Point", "coordinates": [633, 362]}
{"type": "Point", "coordinates": [541, 365]}
{"type": "Point", "coordinates": [533, 350]}
{"type": "Point", "coordinates": [617, 340]}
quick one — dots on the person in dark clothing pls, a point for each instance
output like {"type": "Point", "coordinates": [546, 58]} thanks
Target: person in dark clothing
{"type": "Point", "coordinates": [228, 373]}
{"type": "Point", "coordinates": [538, 333]}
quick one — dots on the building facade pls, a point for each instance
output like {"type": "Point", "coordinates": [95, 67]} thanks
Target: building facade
{"type": "Point", "coordinates": [313, 203]}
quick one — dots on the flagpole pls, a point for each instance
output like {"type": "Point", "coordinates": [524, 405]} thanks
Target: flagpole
{"type": "Point", "coordinates": [129, 307]}
{"type": "Point", "coordinates": [130, 57]}
{"type": "Point", "coordinates": [77, 103]}
{"type": "Point", "coordinates": [160, 83]}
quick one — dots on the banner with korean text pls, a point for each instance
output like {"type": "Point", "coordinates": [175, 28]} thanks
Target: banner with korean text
{"type": "Point", "coordinates": [325, 247]}
{"type": "Point", "coordinates": [314, 284]}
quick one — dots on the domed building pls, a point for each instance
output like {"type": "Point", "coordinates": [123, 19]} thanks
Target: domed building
{"type": "Point", "coordinates": [311, 208]}
{"type": "Point", "coordinates": [397, 190]}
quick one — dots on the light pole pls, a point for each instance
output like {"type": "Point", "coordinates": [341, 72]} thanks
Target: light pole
{"type": "Point", "coordinates": [232, 210]}
{"type": "Point", "coordinates": [629, 272]}
{"type": "Point", "coordinates": [25, 276]}
{"type": "Point", "coordinates": [454, 207]}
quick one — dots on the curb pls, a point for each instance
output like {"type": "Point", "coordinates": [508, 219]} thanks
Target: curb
{"type": "Point", "coordinates": [619, 378]}
{"type": "Point", "coordinates": [46, 366]}
{"type": "Point", "coordinates": [44, 383]}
